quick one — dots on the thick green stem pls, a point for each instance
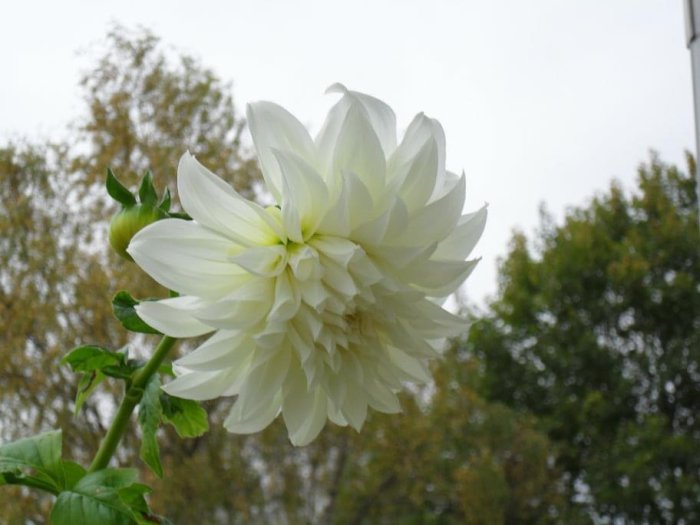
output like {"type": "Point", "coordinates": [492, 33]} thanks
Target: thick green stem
{"type": "Point", "coordinates": [131, 399]}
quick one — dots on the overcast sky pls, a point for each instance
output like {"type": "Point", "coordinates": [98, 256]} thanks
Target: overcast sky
{"type": "Point", "coordinates": [541, 100]}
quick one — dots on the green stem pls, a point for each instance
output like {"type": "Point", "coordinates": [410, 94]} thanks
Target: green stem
{"type": "Point", "coordinates": [131, 399]}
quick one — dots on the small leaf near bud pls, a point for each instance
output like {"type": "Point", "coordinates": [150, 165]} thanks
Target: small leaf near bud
{"type": "Point", "coordinates": [147, 192]}
{"type": "Point", "coordinates": [165, 201]}
{"type": "Point", "coordinates": [117, 190]}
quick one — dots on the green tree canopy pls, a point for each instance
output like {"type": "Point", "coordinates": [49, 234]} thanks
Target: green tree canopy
{"type": "Point", "coordinates": [595, 330]}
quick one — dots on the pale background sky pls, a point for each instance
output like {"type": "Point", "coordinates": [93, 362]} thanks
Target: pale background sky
{"type": "Point", "coordinates": [541, 100]}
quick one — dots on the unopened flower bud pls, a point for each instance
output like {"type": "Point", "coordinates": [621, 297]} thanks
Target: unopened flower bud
{"type": "Point", "coordinates": [128, 221]}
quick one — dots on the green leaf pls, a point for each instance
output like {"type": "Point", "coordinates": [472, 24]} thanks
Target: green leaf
{"type": "Point", "coordinates": [165, 201]}
{"type": "Point", "coordinates": [187, 416]}
{"type": "Point", "coordinates": [123, 306]}
{"type": "Point", "coordinates": [166, 369]}
{"type": "Point", "coordinates": [147, 192]}
{"type": "Point", "coordinates": [133, 496]}
{"type": "Point", "coordinates": [88, 358]}
{"type": "Point", "coordinates": [34, 461]}
{"type": "Point", "coordinates": [72, 473]}
{"type": "Point", "coordinates": [86, 386]}
{"type": "Point", "coordinates": [95, 363]}
{"type": "Point", "coordinates": [179, 215]}
{"type": "Point", "coordinates": [95, 500]}
{"type": "Point", "coordinates": [118, 192]}
{"type": "Point", "coordinates": [149, 419]}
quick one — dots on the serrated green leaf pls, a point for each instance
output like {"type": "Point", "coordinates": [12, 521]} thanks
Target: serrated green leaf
{"type": "Point", "coordinates": [149, 419]}
{"type": "Point", "coordinates": [34, 461]}
{"type": "Point", "coordinates": [123, 307]}
{"type": "Point", "coordinates": [147, 192]}
{"type": "Point", "coordinates": [86, 386]}
{"type": "Point", "coordinates": [187, 417]}
{"type": "Point", "coordinates": [118, 192]}
{"type": "Point", "coordinates": [165, 201]}
{"type": "Point", "coordinates": [94, 500]}
{"type": "Point", "coordinates": [88, 358]}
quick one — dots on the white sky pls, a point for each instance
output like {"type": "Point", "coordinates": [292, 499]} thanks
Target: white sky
{"type": "Point", "coordinates": [541, 100]}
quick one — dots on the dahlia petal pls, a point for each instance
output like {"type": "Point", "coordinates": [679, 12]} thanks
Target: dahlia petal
{"type": "Point", "coordinates": [335, 415]}
{"type": "Point", "coordinates": [461, 241]}
{"type": "Point", "coordinates": [380, 115]}
{"type": "Point", "coordinates": [274, 128]}
{"type": "Point", "coordinates": [305, 194]}
{"type": "Point", "coordinates": [173, 316]}
{"type": "Point", "coordinates": [304, 262]}
{"type": "Point", "coordinates": [304, 410]}
{"type": "Point", "coordinates": [185, 256]}
{"type": "Point", "coordinates": [339, 249]}
{"type": "Point", "coordinates": [336, 389]}
{"type": "Point", "coordinates": [433, 322]}
{"type": "Point", "coordinates": [337, 278]}
{"type": "Point", "coordinates": [265, 261]}
{"type": "Point", "coordinates": [263, 381]}
{"type": "Point", "coordinates": [314, 294]}
{"type": "Point", "coordinates": [414, 369]}
{"type": "Point", "coordinates": [354, 407]}
{"type": "Point", "coordinates": [382, 398]}
{"type": "Point", "coordinates": [398, 219]}
{"type": "Point", "coordinates": [359, 151]}
{"type": "Point", "coordinates": [404, 337]}
{"type": "Point", "coordinates": [239, 311]}
{"type": "Point", "coordinates": [328, 135]}
{"type": "Point", "coordinates": [373, 231]}
{"type": "Point", "coordinates": [216, 205]}
{"type": "Point", "coordinates": [439, 278]}
{"type": "Point", "coordinates": [420, 175]}
{"type": "Point", "coordinates": [420, 130]}
{"type": "Point", "coordinates": [435, 221]}
{"type": "Point", "coordinates": [287, 299]}
{"type": "Point", "coordinates": [250, 422]}
{"type": "Point", "coordinates": [200, 386]}
{"type": "Point", "coordinates": [399, 256]}
{"type": "Point", "coordinates": [224, 349]}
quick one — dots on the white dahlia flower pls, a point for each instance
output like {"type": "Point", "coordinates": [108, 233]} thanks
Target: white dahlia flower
{"type": "Point", "coordinates": [328, 303]}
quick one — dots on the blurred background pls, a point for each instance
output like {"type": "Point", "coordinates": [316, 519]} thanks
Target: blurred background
{"type": "Point", "coordinates": [574, 398]}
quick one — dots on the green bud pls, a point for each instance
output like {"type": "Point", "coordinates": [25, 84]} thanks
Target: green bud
{"type": "Point", "coordinates": [128, 221]}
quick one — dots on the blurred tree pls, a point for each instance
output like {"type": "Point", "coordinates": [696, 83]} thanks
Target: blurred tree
{"type": "Point", "coordinates": [147, 105]}
{"type": "Point", "coordinates": [596, 332]}
{"type": "Point", "coordinates": [451, 458]}
{"type": "Point", "coordinates": [57, 275]}
{"type": "Point", "coordinates": [39, 317]}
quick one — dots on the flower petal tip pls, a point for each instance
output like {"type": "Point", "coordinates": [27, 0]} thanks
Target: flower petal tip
{"type": "Point", "coordinates": [336, 88]}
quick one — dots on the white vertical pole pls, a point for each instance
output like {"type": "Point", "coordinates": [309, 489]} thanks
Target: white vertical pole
{"type": "Point", "coordinates": [692, 33]}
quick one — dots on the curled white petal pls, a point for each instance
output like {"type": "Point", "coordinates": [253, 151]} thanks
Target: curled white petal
{"type": "Point", "coordinates": [274, 128]}
{"type": "Point", "coordinates": [216, 205]}
{"type": "Point", "coordinates": [173, 317]}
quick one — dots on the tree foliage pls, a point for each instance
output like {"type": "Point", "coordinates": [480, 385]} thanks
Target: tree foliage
{"type": "Point", "coordinates": [596, 332]}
